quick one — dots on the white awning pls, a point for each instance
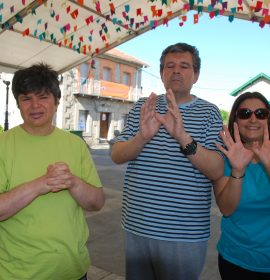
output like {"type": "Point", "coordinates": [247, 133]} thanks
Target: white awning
{"type": "Point", "coordinates": [66, 33]}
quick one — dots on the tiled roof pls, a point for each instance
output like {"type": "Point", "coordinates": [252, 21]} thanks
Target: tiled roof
{"type": "Point", "coordinates": [119, 54]}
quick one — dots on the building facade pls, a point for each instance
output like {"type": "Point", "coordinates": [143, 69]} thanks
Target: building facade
{"type": "Point", "coordinates": [97, 96]}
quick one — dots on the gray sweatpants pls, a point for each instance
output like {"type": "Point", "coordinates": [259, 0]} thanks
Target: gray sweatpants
{"type": "Point", "coordinates": [151, 259]}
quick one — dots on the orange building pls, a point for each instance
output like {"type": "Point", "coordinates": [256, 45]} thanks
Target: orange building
{"type": "Point", "coordinates": [98, 95]}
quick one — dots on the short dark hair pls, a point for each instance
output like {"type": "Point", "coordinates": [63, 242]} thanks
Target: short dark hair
{"type": "Point", "coordinates": [240, 99]}
{"type": "Point", "coordinates": [181, 48]}
{"type": "Point", "coordinates": [35, 79]}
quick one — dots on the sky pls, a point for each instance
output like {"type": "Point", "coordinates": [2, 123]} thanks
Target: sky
{"type": "Point", "coordinates": [232, 53]}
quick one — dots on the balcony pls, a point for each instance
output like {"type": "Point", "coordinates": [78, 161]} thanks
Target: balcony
{"type": "Point", "coordinates": [105, 89]}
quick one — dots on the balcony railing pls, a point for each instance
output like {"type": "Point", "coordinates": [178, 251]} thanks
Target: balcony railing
{"type": "Point", "coordinates": [105, 89]}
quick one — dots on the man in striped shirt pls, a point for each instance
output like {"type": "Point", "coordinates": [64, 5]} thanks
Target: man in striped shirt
{"type": "Point", "coordinates": [169, 142]}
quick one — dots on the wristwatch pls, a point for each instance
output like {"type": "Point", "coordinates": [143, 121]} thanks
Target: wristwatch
{"type": "Point", "coordinates": [190, 148]}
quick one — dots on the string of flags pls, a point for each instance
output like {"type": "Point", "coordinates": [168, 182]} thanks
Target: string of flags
{"type": "Point", "coordinates": [78, 29]}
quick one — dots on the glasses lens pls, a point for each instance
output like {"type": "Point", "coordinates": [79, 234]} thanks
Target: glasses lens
{"type": "Point", "coordinates": [261, 113]}
{"type": "Point", "coordinates": [244, 114]}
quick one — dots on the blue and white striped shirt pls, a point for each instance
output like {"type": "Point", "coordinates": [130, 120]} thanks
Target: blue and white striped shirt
{"type": "Point", "coordinates": [165, 197]}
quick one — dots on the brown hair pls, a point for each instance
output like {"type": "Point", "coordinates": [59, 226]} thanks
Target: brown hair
{"type": "Point", "coordinates": [240, 99]}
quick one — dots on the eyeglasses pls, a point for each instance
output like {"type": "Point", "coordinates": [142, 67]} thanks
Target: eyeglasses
{"type": "Point", "coordinates": [245, 113]}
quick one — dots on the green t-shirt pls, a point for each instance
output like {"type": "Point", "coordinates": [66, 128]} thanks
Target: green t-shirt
{"type": "Point", "coordinates": [47, 239]}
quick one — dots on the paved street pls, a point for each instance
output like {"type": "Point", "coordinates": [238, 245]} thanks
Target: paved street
{"type": "Point", "coordinates": [106, 241]}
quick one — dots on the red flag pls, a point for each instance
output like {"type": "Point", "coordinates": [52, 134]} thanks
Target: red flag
{"type": "Point", "coordinates": [154, 11]}
{"type": "Point", "coordinates": [74, 14]}
{"type": "Point", "coordinates": [259, 6]}
{"type": "Point", "coordinates": [165, 21]}
{"type": "Point", "coordinates": [89, 19]}
{"type": "Point", "coordinates": [159, 12]}
{"type": "Point", "coordinates": [239, 8]}
{"type": "Point", "coordinates": [26, 32]}
{"type": "Point", "coordinates": [98, 7]}
{"type": "Point", "coordinates": [139, 12]}
{"type": "Point", "coordinates": [196, 18]}
{"type": "Point", "coordinates": [112, 8]}
{"type": "Point", "coordinates": [267, 19]}
{"type": "Point", "coordinates": [212, 14]}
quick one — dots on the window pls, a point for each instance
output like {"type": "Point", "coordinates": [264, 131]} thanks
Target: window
{"type": "Point", "coordinates": [84, 69]}
{"type": "Point", "coordinates": [82, 120]}
{"type": "Point", "coordinates": [106, 75]}
{"type": "Point", "coordinates": [126, 79]}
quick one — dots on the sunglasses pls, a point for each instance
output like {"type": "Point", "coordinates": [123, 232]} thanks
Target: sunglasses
{"type": "Point", "coordinates": [245, 113]}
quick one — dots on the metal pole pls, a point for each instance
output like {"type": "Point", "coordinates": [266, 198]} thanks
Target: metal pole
{"type": "Point", "coordinates": [7, 83]}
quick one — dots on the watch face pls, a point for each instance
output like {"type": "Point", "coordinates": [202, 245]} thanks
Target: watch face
{"type": "Point", "coordinates": [190, 148]}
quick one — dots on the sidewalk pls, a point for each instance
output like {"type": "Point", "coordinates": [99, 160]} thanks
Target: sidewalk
{"type": "Point", "coordinates": [95, 273]}
{"type": "Point", "coordinates": [106, 236]}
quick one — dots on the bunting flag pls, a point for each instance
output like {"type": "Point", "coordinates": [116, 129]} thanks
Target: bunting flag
{"type": "Point", "coordinates": [87, 27]}
{"type": "Point", "coordinates": [89, 20]}
{"type": "Point", "coordinates": [74, 14]}
{"type": "Point", "coordinates": [112, 8]}
{"type": "Point", "coordinates": [26, 32]}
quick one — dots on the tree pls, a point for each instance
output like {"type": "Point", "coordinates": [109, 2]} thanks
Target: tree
{"type": "Point", "coordinates": [225, 116]}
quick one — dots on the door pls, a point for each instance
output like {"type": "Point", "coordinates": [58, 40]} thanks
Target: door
{"type": "Point", "coordinates": [104, 125]}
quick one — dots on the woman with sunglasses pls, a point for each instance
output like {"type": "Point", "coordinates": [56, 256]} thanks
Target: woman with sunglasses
{"type": "Point", "coordinates": [243, 193]}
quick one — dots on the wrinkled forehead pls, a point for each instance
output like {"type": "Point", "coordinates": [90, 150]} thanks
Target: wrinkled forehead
{"type": "Point", "coordinates": [181, 56]}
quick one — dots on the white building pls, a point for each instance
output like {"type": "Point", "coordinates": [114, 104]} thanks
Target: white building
{"type": "Point", "coordinates": [260, 83]}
